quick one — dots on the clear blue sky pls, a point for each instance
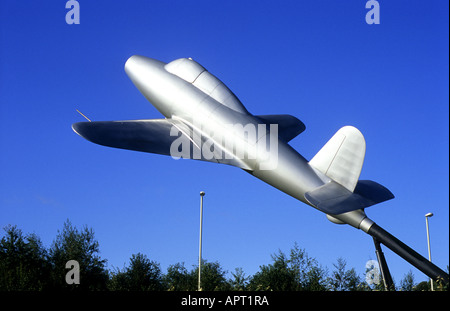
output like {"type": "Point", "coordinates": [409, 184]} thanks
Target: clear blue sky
{"type": "Point", "coordinates": [316, 60]}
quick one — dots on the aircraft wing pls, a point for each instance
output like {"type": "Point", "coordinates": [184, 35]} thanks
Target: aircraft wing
{"type": "Point", "coordinates": [151, 136]}
{"type": "Point", "coordinates": [159, 136]}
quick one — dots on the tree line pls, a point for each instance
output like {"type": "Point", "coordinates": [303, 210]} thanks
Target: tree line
{"type": "Point", "coordinates": [25, 264]}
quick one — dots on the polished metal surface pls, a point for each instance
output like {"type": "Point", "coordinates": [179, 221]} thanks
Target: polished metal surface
{"type": "Point", "coordinates": [205, 121]}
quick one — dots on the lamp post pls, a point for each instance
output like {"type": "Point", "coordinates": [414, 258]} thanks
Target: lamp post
{"type": "Point", "coordinates": [428, 240]}
{"type": "Point", "coordinates": [202, 193]}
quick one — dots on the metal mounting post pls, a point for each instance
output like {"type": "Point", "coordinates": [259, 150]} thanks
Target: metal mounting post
{"type": "Point", "coordinates": [385, 274]}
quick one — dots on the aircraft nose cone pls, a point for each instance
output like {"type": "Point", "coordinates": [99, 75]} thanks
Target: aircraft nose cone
{"type": "Point", "coordinates": [143, 70]}
{"type": "Point", "coordinates": [138, 63]}
{"type": "Point", "coordinates": [132, 63]}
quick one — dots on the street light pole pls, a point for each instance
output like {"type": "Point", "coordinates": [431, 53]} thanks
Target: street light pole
{"type": "Point", "coordinates": [429, 247]}
{"type": "Point", "coordinates": [202, 193]}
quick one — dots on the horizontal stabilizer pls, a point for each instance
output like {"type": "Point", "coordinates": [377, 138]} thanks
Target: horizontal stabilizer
{"type": "Point", "coordinates": [372, 192]}
{"type": "Point", "coordinates": [288, 126]}
{"type": "Point", "coordinates": [334, 199]}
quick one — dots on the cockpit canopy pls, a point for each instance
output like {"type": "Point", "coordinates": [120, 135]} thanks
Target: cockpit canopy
{"type": "Point", "coordinates": [194, 73]}
{"type": "Point", "coordinates": [185, 68]}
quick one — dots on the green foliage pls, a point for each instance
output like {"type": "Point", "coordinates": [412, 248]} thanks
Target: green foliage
{"type": "Point", "coordinates": [239, 282]}
{"type": "Point", "coordinates": [142, 275]}
{"type": "Point", "coordinates": [79, 245]}
{"type": "Point", "coordinates": [178, 278]}
{"type": "Point", "coordinates": [23, 261]}
{"type": "Point", "coordinates": [298, 272]}
{"type": "Point", "coordinates": [344, 280]}
{"type": "Point", "coordinates": [212, 276]}
{"type": "Point", "coordinates": [407, 283]}
{"type": "Point", "coordinates": [25, 264]}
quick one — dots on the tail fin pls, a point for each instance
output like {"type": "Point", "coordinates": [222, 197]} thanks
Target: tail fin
{"type": "Point", "coordinates": [342, 157]}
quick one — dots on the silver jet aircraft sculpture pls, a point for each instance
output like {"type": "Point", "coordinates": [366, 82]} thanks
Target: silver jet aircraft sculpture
{"type": "Point", "coordinates": [204, 120]}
